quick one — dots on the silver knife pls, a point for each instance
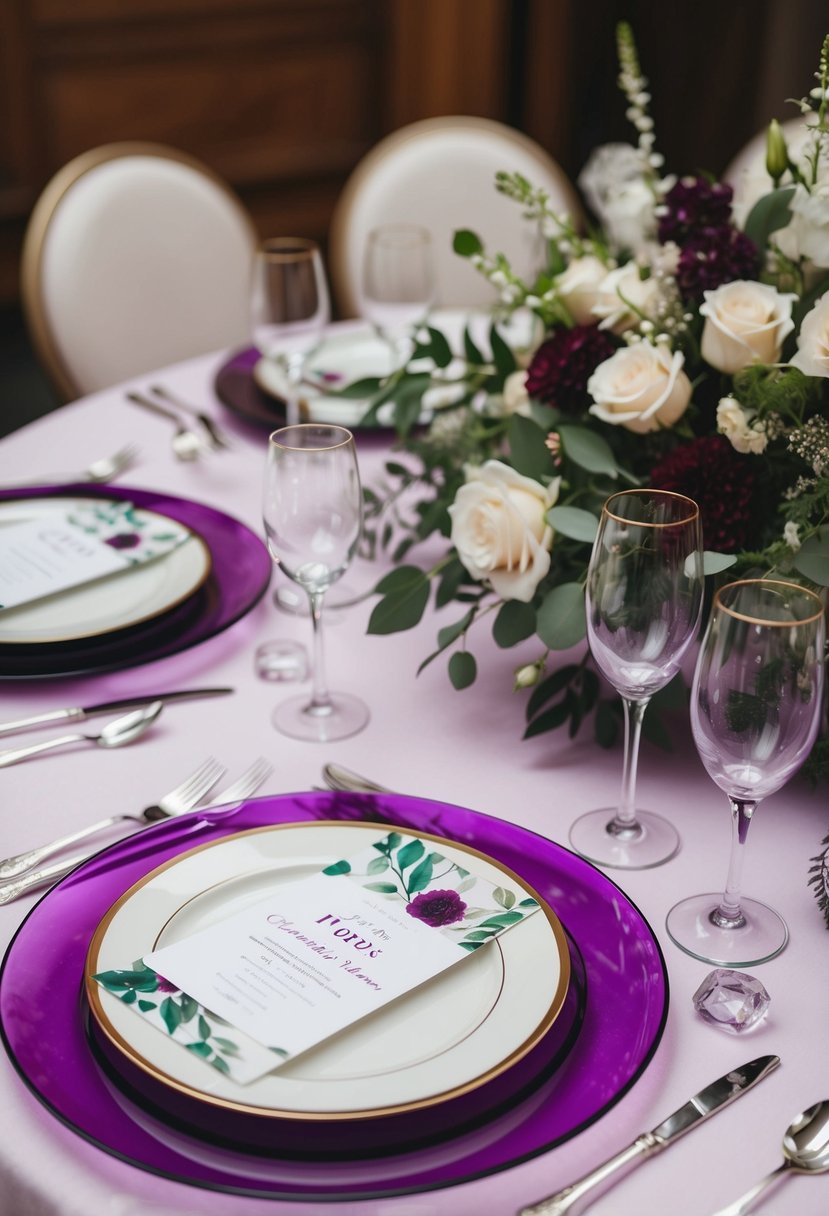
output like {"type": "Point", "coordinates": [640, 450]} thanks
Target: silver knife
{"type": "Point", "coordinates": [79, 712]}
{"type": "Point", "coordinates": [709, 1100]}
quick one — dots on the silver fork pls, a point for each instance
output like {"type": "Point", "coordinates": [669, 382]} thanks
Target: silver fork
{"type": "Point", "coordinates": [187, 444]}
{"type": "Point", "coordinates": [217, 437]}
{"type": "Point", "coordinates": [98, 471]}
{"type": "Point", "coordinates": [246, 785]}
{"type": "Point", "coordinates": [179, 800]}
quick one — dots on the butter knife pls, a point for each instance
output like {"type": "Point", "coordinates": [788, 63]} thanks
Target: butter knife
{"type": "Point", "coordinates": [79, 712]}
{"type": "Point", "coordinates": [709, 1100]}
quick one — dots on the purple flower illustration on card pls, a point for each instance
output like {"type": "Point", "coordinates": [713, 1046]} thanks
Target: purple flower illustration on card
{"type": "Point", "coordinates": [437, 908]}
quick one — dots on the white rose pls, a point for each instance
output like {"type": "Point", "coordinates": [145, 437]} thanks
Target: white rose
{"type": "Point", "coordinates": [629, 218]}
{"type": "Point", "coordinates": [624, 298]}
{"type": "Point", "coordinates": [812, 356]}
{"type": "Point", "coordinates": [810, 221]}
{"type": "Point", "coordinates": [499, 529]}
{"type": "Point", "coordinates": [734, 422]}
{"type": "Point", "coordinates": [579, 285]}
{"type": "Point", "coordinates": [516, 399]}
{"type": "Point", "coordinates": [745, 322]}
{"type": "Point", "coordinates": [641, 387]}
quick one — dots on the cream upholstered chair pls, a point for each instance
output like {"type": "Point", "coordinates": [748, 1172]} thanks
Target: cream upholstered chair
{"type": "Point", "coordinates": [136, 255]}
{"type": "Point", "coordinates": [440, 174]}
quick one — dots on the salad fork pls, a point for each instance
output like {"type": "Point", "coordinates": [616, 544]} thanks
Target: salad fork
{"type": "Point", "coordinates": [98, 472]}
{"type": "Point", "coordinates": [179, 800]}
{"type": "Point", "coordinates": [187, 444]}
{"type": "Point", "coordinates": [246, 785]}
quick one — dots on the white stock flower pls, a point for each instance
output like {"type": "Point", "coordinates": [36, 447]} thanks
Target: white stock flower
{"type": "Point", "coordinates": [812, 356]}
{"type": "Point", "coordinates": [735, 423]}
{"type": "Point", "coordinates": [624, 298]}
{"type": "Point", "coordinates": [615, 188]}
{"type": "Point", "coordinates": [578, 287]}
{"type": "Point", "coordinates": [499, 529]}
{"type": "Point", "coordinates": [810, 221]}
{"type": "Point", "coordinates": [791, 536]}
{"type": "Point", "coordinates": [745, 323]}
{"type": "Point", "coordinates": [641, 387]}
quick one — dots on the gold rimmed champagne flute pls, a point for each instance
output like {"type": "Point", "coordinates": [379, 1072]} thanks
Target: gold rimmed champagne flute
{"type": "Point", "coordinates": [755, 711]}
{"type": "Point", "coordinates": [644, 597]}
{"type": "Point", "coordinates": [313, 515]}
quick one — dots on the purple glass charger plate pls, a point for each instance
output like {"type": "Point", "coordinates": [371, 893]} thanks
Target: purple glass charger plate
{"type": "Point", "coordinates": [623, 1020]}
{"type": "Point", "coordinates": [240, 573]}
{"type": "Point", "coordinates": [236, 388]}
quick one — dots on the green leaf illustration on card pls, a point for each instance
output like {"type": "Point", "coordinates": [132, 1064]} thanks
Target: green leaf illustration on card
{"type": "Point", "coordinates": [200, 1049]}
{"type": "Point", "coordinates": [171, 1014]}
{"type": "Point", "coordinates": [377, 865]}
{"type": "Point", "coordinates": [339, 867]}
{"type": "Point", "coordinates": [410, 853]}
{"type": "Point", "coordinates": [421, 876]}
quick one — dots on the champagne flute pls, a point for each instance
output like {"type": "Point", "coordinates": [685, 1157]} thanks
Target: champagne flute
{"type": "Point", "coordinates": [290, 308]}
{"type": "Point", "coordinates": [755, 711]}
{"type": "Point", "coordinates": [313, 515]}
{"type": "Point", "coordinates": [398, 287]}
{"type": "Point", "coordinates": [644, 597]}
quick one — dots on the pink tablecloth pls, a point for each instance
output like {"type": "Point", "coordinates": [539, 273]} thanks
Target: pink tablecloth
{"type": "Point", "coordinates": [424, 738]}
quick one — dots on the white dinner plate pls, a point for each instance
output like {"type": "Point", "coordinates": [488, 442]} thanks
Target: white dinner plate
{"type": "Point", "coordinates": [346, 356]}
{"type": "Point", "coordinates": [137, 594]}
{"type": "Point", "coordinates": [450, 1035]}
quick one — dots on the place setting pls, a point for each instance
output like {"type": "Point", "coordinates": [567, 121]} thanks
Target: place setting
{"type": "Point", "coordinates": [99, 578]}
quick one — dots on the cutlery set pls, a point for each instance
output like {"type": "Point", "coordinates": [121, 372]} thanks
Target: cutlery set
{"type": "Point", "coordinates": [189, 442]}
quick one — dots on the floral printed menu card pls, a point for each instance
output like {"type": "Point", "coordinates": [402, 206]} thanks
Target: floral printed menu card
{"type": "Point", "coordinates": [283, 975]}
{"type": "Point", "coordinates": [77, 544]}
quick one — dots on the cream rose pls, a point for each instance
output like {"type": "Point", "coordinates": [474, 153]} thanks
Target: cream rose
{"type": "Point", "coordinates": [812, 356]}
{"type": "Point", "coordinates": [578, 287]}
{"type": "Point", "coordinates": [516, 399]}
{"type": "Point", "coordinates": [641, 387]}
{"type": "Point", "coordinates": [499, 529]}
{"type": "Point", "coordinates": [745, 322]}
{"type": "Point", "coordinates": [624, 298]}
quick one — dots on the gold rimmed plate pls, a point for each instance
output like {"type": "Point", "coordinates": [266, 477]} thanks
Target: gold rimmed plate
{"type": "Point", "coordinates": [445, 1039]}
{"type": "Point", "coordinates": [133, 597]}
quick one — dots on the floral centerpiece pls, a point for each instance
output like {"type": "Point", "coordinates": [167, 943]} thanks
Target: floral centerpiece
{"type": "Point", "coordinates": [677, 349]}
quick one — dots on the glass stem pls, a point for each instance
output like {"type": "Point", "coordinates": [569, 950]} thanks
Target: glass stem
{"type": "Point", "coordinates": [729, 914]}
{"type": "Point", "coordinates": [320, 697]}
{"type": "Point", "coordinates": [624, 824]}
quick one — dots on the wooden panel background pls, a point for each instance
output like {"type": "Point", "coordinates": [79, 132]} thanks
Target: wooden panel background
{"type": "Point", "coordinates": [283, 97]}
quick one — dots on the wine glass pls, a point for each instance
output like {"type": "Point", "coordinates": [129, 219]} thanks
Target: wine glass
{"type": "Point", "coordinates": [755, 711]}
{"type": "Point", "coordinates": [313, 515]}
{"type": "Point", "coordinates": [290, 308]}
{"type": "Point", "coordinates": [398, 286]}
{"type": "Point", "coordinates": [644, 597]}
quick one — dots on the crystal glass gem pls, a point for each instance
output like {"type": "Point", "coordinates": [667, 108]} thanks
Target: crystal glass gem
{"type": "Point", "coordinates": [731, 999]}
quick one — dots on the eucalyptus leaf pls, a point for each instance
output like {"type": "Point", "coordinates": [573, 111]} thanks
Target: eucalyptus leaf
{"type": "Point", "coordinates": [338, 867]}
{"type": "Point", "coordinates": [715, 563]}
{"type": "Point", "coordinates": [514, 622]}
{"type": "Point", "coordinates": [769, 213]}
{"type": "Point", "coordinates": [462, 669]}
{"type": "Point", "coordinates": [410, 853]}
{"type": "Point", "coordinates": [502, 356]}
{"type": "Point", "coordinates": [421, 875]}
{"type": "Point", "coordinates": [473, 354]}
{"type": "Point", "coordinates": [440, 349]}
{"type": "Point", "coordinates": [562, 621]}
{"type": "Point", "coordinates": [812, 559]}
{"type": "Point", "coordinates": [377, 865]}
{"type": "Point", "coordinates": [363, 388]}
{"type": "Point", "coordinates": [170, 1014]}
{"type": "Point", "coordinates": [382, 888]}
{"type": "Point", "coordinates": [574, 522]}
{"type": "Point", "coordinates": [529, 453]}
{"type": "Point", "coordinates": [588, 450]}
{"type": "Point", "coordinates": [405, 596]}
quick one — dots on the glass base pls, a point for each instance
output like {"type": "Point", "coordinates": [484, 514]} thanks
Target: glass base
{"type": "Point", "coordinates": [345, 715]}
{"type": "Point", "coordinates": [690, 927]}
{"type": "Point", "coordinates": [292, 599]}
{"type": "Point", "coordinates": [656, 841]}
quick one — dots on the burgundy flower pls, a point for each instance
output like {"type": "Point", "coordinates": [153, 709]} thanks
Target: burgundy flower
{"type": "Point", "coordinates": [165, 985]}
{"type": "Point", "coordinates": [437, 908]}
{"type": "Point", "coordinates": [564, 363]}
{"type": "Point", "coordinates": [124, 540]}
{"type": "Point", "coordinates": [715, 256]}
{"type": "Point", "coordinates": [692, 204]}
{"type": "Point", "coordinates": [724, 483]}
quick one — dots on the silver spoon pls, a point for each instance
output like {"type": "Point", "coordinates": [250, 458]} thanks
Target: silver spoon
{"type": "Point", "coordinates": [187, 445]}
{"type": "Point", "coordinates": [114, 734]}
{"type": "Point", "coordinates": [806, 1151]}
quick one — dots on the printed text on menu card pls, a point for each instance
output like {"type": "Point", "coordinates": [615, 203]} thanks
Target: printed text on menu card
{"type": "Point", "coordinates": [322, 953]}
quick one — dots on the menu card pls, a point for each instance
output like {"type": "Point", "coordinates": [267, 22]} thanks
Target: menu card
{"type": "Point", "coordinates": [318, 954]}
{"type": "Point", "coordinates": [77, 544]}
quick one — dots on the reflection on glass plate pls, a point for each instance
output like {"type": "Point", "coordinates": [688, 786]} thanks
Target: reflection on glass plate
{"type": "Point", "coordinates": [137, 594]}
{"type": "Point", "coordinates": [493, 1006]}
